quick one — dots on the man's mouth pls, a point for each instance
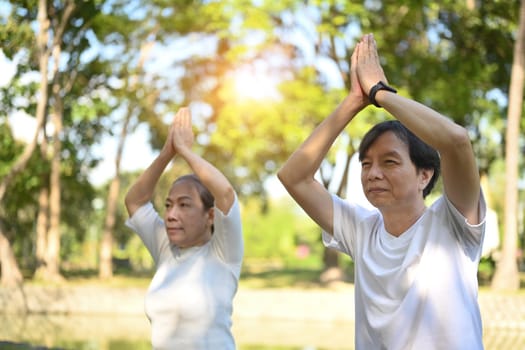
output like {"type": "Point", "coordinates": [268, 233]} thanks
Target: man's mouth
{"type": "Point", "coordinates": [376, 190]}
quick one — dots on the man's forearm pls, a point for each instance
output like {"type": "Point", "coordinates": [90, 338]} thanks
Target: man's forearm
{"type": "Point", "coordinates": [430, 126]}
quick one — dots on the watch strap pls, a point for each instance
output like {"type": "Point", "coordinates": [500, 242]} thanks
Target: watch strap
{"type": "Point", "coordinates": [373, 91]}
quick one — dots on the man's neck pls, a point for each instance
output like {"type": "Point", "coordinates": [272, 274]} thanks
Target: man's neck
{"type": "Point", "coordinates": [398, 220]}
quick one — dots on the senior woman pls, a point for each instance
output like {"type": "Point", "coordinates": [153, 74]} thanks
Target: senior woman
{"type": "Point", "coordinates": [197, 246]}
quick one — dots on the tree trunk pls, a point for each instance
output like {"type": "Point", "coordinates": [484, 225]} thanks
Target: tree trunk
{"type": "Point", "coordinates": [507, 274]}
{"type": "Point", "coordinates": [42, 226]}
{"type": "Point", "coordinates": [59, 88]}
{"type": "Point", "coordinates": [51, 270]}
{"type": "Point", "coordinates": [106, 245]}
{"type": "Point", "coordinates": [11, 274]}
{"type": "Point", "coordinates": [10, 269]}
{"type": "Point", "coordinates": [53, 236]}
{"type": "Point", "coordinates": [42, 222]}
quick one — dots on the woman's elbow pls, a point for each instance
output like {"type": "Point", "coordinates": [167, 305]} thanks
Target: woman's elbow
{"type": "Point", "coordinates": [225, 200]}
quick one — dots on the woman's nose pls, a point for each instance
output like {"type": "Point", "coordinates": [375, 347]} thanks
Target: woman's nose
{"type": "Point", "coordinates": [171, 213]}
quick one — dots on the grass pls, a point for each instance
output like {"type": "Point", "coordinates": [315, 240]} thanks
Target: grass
{"type": "Point", "coordinates": [269, 277]}
{"type": "Point", "coordinates": [281, 278]}
{"type": "Point", "coordinates": [252, 276]}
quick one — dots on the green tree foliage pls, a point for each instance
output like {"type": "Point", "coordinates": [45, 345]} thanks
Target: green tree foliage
{"type": "Point", "coordinates": [77, 84]}
{"type": "Point", "coordinates": [429, 52]}
{"type": "Point", "coordinates": [280, 235]}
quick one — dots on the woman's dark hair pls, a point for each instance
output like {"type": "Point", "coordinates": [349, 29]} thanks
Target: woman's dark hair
{"type": "Point", "coordinates": [422, 155]}
{"type": "Point", "coordinates": [204, 194]}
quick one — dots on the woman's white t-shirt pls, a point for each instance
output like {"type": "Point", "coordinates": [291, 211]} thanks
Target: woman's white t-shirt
{"type": "Point", "coordinates": [189, 300]}
{"type": "Point", "coordinates": [418, 290]}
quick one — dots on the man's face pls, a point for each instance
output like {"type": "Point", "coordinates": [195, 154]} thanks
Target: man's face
{"type": "Point", "coordinates": [187, 222]}
{"type": "Point", "coordinates": [389, 178]}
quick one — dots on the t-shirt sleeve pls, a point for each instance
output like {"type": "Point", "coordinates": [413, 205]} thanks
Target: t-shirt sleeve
{"type": "Point", "coordinates": [344, 235]}
{"type": "Point", "coordinates": [469, 235]}
{"type": "Point", "coordinates": [227, 235]}
{"type": "Point", "coordinates": [147, 223]}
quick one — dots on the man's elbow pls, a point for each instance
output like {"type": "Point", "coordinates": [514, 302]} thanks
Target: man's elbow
{"type": "Point", "coordinates": [283, 177]}
{"type": "Point", "coordinates": [289, 180]}
{"type": "Point", "coordinates": [460, 139]}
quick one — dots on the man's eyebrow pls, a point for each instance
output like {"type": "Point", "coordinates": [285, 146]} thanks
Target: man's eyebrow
{"type": "Point", "coordinates": [392, 154]}
{"type": "Point", "coordinates": [386, 154]}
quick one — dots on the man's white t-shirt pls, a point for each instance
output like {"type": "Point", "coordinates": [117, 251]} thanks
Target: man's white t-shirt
{"type": "Point", "coordinates": [418, 290]}
{"type": "Point", "coordinates": [189, 301]}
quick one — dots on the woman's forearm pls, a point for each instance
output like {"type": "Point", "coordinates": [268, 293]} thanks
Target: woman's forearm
{"type": "Point", "coordinates": [212, 178]}
{"type": "Point", "coordinates": [306, 160]}
{"type": "Point", "coordinates": [142, 190]}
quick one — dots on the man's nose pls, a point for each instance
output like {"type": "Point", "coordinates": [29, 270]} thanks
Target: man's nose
{"type": "Point", "coordinates": [374, 172]}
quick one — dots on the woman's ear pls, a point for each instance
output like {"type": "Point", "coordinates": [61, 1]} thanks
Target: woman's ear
{"type": "Point", "coordinates": [211, 216]}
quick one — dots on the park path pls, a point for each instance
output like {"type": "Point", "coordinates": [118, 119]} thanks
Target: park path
{"type": "Point", "coordinates": [499, 310]}
{"type": "Point", "coordinates": [503, 315]}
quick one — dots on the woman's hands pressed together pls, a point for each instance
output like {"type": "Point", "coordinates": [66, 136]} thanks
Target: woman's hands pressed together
{"type": "Point", "coordinates": [181, 131]}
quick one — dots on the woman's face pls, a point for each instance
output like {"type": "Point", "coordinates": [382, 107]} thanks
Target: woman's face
{"type": "Point", "coordinates": [187, 222]}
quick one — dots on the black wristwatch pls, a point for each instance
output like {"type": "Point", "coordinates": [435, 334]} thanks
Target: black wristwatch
{"type": "Point", "coordinates": [373, 91]}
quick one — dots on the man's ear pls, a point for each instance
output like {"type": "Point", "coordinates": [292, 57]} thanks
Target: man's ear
{"type": "Point", "coordinates": [425, 175]}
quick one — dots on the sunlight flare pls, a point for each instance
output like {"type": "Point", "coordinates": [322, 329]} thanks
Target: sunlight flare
{"type": "Point", "coordinates": [254, 85]}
